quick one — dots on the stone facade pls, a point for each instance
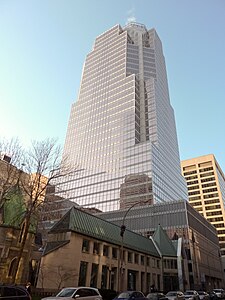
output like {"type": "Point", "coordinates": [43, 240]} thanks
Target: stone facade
{"type": "Point", "coordinates": [85, 250]}
{"type": "Point", "coordinates": [10, 238]}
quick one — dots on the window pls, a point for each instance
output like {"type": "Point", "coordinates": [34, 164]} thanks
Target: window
{"type": "Point", "coordinates": [188, 253]}
{"type": "Point", "coordinates": [157, 262]}
{"type": "Point", "coordinates": [12, 267]}
{"type": "Point", "coordinates": [104, 277]}
{"type": "Point", "coordinates": [210, 190]}
{"type": "Point", "coordinates": [191, 177]}
{"type": "Point", "coordinates": [9, 292]}
{"type": "Point", "coordinates": [136, 258]}
{"type": "Point", "coordinates": [190, 173]}
{"type": "Point", "coordinates": [195, 198]}
{"type": "Point", "coordinates": [194, 193]}
{"type": "Point", "coordinates": [211, 201]}
{"type": "Point", "coordinates": [208, 184]}
{"type": "Point", "coordinates": [105, 250]}
{"type": "Point", "coordinates": [195, 187]}
{"type": "Point", "coordinates": [212, 207]}
{"type": "Point", "coordinates": [153, 263]}
{"type": "Point", "coordinates": [219, 226]}
{"type": "Point", "coordinates": [214, 213]}
{"type": "Point", "coordinates": [208, 179]}
{"type": "Point", "coordinates": [85, 246]}
{"type": "Point", "coordinates": [215, 220]}
{"type": "Point", "coordinates": [207, 174]}
{"type": "Point", "coordinates": [130, 257]}
{"type": "Point", "coordinates": [210, 195]}
{"type": "Point", "coordinates": [21, 233]}
{"type": "Point", "coordinates": [221, 231]}
{"type": "Point", "coordinates": [94, 275]}
{"type": "Point", "coordinates": [85, 292]}
{"type": "Point", "coordinates": [83, 273]}
{"type": "Point", "coordinates": [206, 169]}
{"type": "Point", "coordinates": [192, 182]}
{"type": "Point", "coordinates": [196, 203]}
{"type": "Point", "coordinates": [114, 253]}
{"type": "Point", "coordinates": [142, 260]}
{"type": "Point", "coordinates": [96, 248]}
{"type": "Point", "coordinates": [190, 267]}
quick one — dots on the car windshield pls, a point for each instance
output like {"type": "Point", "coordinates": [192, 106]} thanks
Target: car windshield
{"type": "Point", "coordinates": [66, 292]}
{"type": "Point", "coordinates": [171, 294]}
{"type": "Point", "coordinates": [188, 293]}
{"type": "Point", "coordinates": [152, 296]}
{"type": "Point", "coordinates": [124, 295]}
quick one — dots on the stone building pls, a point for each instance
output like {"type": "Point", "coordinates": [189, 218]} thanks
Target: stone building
{"type": "Point", "coordinates": [180, 220]}
{"type": "Point", "coordinates": [83, 249]}
{"type": "Point", "coordinates": [12, 211]}
{"type": "Point", "coordinates": [10, 240]}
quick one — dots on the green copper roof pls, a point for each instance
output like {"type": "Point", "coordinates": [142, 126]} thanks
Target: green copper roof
{"type": "Point", "coordinates": [163, 242]}
{"type": "Point", "coordinates": [95, 227]}
{"type": "Point", "coordinates": [51, 246]}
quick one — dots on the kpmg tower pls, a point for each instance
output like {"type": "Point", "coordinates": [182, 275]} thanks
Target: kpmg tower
{"type": "Point", "coordinates": [121, 136]}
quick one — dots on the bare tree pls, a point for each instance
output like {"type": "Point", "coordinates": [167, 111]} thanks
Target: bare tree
{"type": "Point", "coordinates": [58, 275]}
{"type": "Point", "coordinates": [63, 275]}
{"type": "Point", "coordinates": [42, 164]}
{"type": "Point", "coordinates": [11, 161]}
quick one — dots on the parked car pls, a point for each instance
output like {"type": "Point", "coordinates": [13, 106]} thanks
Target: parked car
{"type": "Point", "coordinates": [220, 293]}
{"type": "Point", "coordinates": [131, 295]}
{"type": "Point", "coordinates": [191, 295]}
{"type": "Point", "coordinates": [203, 295]}
{"type": "Point", "coordinates": [83, 293]}
{"type": "Point", "coordinates": [14, 292]}
{"type": "Point", "coordinates": [213, 296]}
{"type": "Point", "coordinates": [157, 296]}
{"type": "Point", "coordinates": [175, 295]}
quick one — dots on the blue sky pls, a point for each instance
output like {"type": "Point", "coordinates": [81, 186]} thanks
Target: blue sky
{"type": "Point", "coordinates": [43, 44]}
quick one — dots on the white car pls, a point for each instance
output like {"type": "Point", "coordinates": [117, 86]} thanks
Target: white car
{"type": "Point", "coordinates": [175, 295]}
{"type": "Point", "coordinates": [191, 295]}
{"type": "Point", "coordinates": [219, 293]}
{"type": "Point", "coordinates": [81, 293]}
{"type": "Point", "coordinates": [203, 295]}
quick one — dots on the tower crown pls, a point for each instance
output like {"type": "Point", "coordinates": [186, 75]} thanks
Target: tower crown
{"type": "Point", "coordinates": [136, 25]}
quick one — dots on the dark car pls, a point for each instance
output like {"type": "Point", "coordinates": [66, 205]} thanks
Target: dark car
{"type": "Point", "coordinates": [156, 296]}
{"type": "Point", "coordinates": [8, 292]}
{"type": "Point", "coordinates": [131, 295]}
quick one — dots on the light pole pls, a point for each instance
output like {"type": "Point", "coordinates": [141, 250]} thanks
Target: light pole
{"type": "Point", "coordinates": [122, 231]}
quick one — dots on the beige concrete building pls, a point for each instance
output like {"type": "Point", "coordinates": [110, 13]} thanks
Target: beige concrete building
{"type": "Point", "coordinates": [206, 192]}
{"type": "Point", "coordinates": [86, 250]}
{"type": "Point", "coordinates": [180, 220]}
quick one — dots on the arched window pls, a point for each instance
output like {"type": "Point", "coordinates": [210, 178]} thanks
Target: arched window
{"type": "Point", "coordinates": [12, 267]}
{"type": "Point", "coordinates": [21, 232]}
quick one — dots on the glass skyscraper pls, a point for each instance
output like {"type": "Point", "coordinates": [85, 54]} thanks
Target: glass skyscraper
{"type": "Point", "coordinates": [121, 138]}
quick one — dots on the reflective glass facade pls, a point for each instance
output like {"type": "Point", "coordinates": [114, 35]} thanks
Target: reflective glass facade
{"type": "Point", "coordinates": [121, 132]}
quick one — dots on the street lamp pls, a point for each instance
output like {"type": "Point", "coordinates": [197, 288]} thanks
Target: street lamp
{"type": "Point", "coordinates": [122, 231]}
